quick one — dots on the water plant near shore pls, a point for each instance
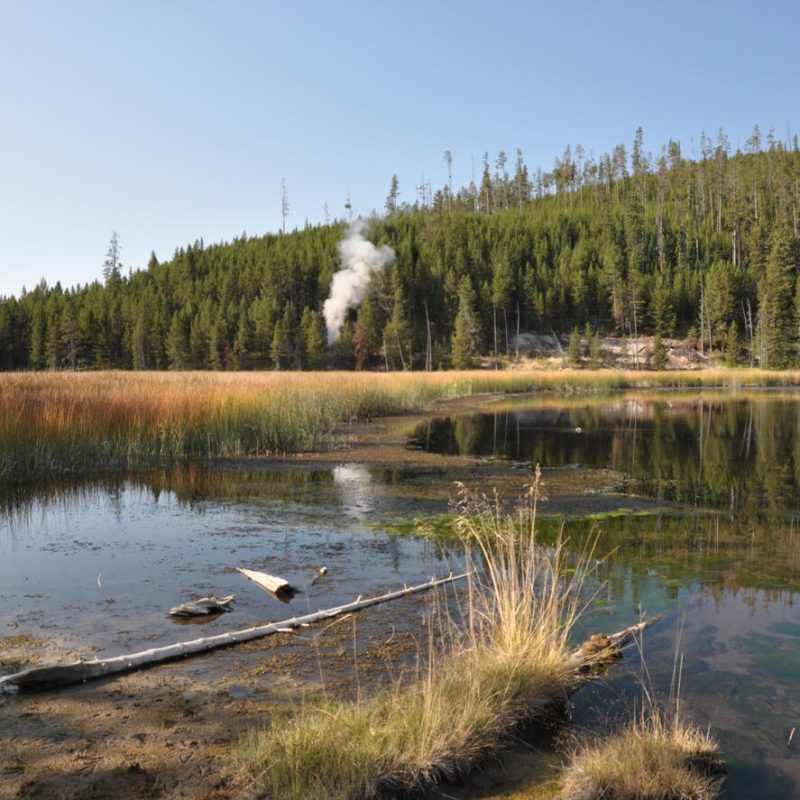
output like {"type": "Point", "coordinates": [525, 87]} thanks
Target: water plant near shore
{"type": "Point", "coordinates": [506, 659]}
{"type": "Point", "coordinates": [60, 424]}
{"type": "Point", "coordinates": [658, 756]}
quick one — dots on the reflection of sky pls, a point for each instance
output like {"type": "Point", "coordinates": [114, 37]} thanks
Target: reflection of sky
{"type": "Point", "coordinates": [355, 486]}
{"type": "Point", "coordinates": [739, 656]}
{"type": "Point", "coordinates": [151, 553]}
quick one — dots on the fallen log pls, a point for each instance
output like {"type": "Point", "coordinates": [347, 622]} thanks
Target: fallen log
{"type": "Point", "coordinates": [57, 676]}
{"type": "Point", "coordinates": [278, 586]}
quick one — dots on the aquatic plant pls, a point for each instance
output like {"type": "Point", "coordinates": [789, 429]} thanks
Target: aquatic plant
{"type": "Point", "coordinates": [506, 659]}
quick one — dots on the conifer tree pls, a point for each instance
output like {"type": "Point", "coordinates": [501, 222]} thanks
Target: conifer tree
{"type": "Point", "coordinates": [366, 337]}
{"type": "Point", "coordinates": [313, 340]}
{"type": "Point", "coordinates": [659, 353]}
{"type": "Point", "coordinates": [465, 343]}
{"type": "Point", "coordinates": [177, 346]}
{"type": "Point", "coordinates": [733, 346]}
{"type": "Point", "coordinates": [574, 348]}
{"type": "Point", "coordinates": [776, 303]}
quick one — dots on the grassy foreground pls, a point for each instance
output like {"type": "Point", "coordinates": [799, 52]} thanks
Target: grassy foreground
{"type": "Point", "coordinates": [56, 424]}
{"type": "Point", "coordinates": [505, 660]}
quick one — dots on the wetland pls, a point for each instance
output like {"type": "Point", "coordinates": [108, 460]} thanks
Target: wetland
{"type": "Point", "coordinates": [689, 499]}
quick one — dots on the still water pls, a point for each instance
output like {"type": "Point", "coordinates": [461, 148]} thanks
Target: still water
{"type": "Point", "coordinates": [722, 568]}
{"type": "Point", "coordinates": [711, 547]}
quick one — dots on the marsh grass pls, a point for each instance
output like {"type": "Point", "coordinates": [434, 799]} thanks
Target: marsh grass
{"type": "Point", "coordinates": [503, 659]}
{"type": "Point", "coordinates": [658, 756]}
{"type": "Point", "coordinates": [63, 424]}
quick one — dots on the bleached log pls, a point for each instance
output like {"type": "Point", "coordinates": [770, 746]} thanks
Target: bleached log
{"type": "Point", "coordinates": [271, 583]}
{"type": "Point", "coordinates": [53, 677]}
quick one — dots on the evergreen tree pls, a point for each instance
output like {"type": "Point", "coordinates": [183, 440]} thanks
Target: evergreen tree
{"type": "Point", "coordinates": [241, 351]}
{"type": "Point", "coordinates": [366, 337]}
{"type": "Point", "coordinates": [733, 346]}
{"type": "Point", "coordinates": [177, 346]}
{"type": "Point", "coordinates": [574, 348]}
{"type": "Point", "coordinates": [465, 344]}
{"type": "Point", "coordinates": [595, 350]}
{"type": "Point", "coordinates": [391, 198]}
{"type": "Point", "coordinates": [313, 340]}
{"type": "Point", "coordinates": [277, 348]}
{"type": "Point", "coordinates": [659, 353]}
{"type": "Point", "coordinates": [776, 303]}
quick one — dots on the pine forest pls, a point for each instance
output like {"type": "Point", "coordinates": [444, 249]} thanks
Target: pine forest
{"type": "Point", "coordinates": [703, 248]}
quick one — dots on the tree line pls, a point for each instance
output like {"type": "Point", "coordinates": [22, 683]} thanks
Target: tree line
{"type": "Point", "coordinates": [706, 247]}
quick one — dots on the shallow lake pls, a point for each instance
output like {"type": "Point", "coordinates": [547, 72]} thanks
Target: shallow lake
{"type": "Point", "coordinates": [695, 519]}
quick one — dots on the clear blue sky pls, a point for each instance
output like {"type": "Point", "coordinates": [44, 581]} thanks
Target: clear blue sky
{"type": "Point", "coordinates": [173, 120]}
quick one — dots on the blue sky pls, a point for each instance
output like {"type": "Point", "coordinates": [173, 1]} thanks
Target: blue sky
{"type": "Point", "coordinates": [175, 120]}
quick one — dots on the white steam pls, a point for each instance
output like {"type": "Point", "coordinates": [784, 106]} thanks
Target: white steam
{"type": "Point", "coordinates": [360, 261]}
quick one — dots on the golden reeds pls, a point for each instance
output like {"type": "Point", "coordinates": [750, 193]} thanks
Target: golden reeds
{"type": "Point", "coordinates": [656, 757]}
{"type": "Point", "coordinates": [55, 424]}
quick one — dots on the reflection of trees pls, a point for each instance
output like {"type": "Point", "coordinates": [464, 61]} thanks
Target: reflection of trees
{"type": "Point", "coordinates": [710, 549]}
{"type": "Point", "coordinates": [190, 484]}
{"type": "Point", "coordinates": [467, 432]}
{"type": "Point", "coordinates": [742, 455]}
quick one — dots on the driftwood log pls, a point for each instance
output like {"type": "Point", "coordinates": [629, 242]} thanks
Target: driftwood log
{"type": "Point", "coordinates": [203, 606]}
{"type": "Point", "coordinates": [271, 583]}
{"type": "Point", "coordinates": [54, 677]}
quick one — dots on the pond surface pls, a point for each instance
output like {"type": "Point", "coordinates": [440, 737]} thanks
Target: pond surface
{"type": "Point", "coordinates": [722, 569]}
{"type": "Point", "coordinates": [711, 544]}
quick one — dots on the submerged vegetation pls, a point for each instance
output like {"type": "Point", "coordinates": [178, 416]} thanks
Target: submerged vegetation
{"type": "Point", "coordinates": [61, 424]}
{"type": "Point", "coordinates": [506, 659]}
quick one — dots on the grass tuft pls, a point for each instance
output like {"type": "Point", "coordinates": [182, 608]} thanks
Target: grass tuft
{"type": "Point", "coordinates": [656, 757]}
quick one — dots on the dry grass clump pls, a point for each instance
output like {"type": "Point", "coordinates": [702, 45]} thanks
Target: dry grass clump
{"type": "Point", "coordinates": [505, 660]}
{"type": "Point", "coordinates": [657, 757]}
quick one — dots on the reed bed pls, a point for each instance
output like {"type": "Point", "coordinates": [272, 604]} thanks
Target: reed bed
{"type": "Point", "coordinates": [57, 424]}
{"type": "Point", "coordinates": [506, 659]}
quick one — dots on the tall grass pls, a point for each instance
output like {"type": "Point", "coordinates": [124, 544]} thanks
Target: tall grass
{"type": "Point", "coordinates": [506, 659]}
{"type": "Point", "coordinates": [55, 424]}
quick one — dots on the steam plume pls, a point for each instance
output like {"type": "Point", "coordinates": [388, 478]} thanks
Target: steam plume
{"type": "Point", "coordinates": [360, 261]}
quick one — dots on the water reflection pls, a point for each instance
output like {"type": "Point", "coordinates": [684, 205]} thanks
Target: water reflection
{"type": "Point", "coordinates": [741, 454]}
{"type": "Point", "coordinates": [94, 568]}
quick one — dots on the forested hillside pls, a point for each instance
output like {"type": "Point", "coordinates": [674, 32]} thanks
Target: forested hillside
{"type": "Point", "coordinates": [628, 243]}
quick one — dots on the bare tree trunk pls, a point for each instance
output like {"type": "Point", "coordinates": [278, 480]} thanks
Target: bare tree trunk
{"type": "Point", "coordinates": [428, 348]}
{"type": "Point", "coordinates": [494, 319]}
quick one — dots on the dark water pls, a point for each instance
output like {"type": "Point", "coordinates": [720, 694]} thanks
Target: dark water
{"type": "Point", "coordinates": [94, 569]}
